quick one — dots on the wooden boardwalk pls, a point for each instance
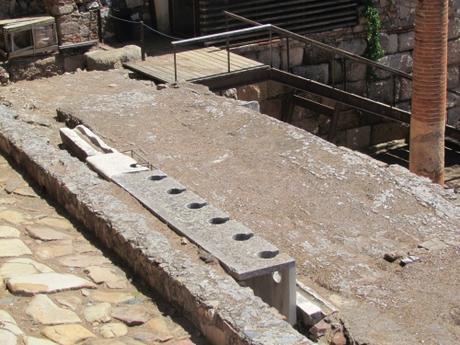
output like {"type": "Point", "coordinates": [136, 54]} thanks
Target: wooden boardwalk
{"type": "Point", "coordinates": [191, 65]}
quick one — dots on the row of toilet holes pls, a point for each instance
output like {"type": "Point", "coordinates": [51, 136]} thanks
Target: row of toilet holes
{"type": "Point", "coordinates": [267, 254]}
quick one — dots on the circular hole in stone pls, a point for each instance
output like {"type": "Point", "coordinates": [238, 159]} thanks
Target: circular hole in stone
{"type": "Point", "coordinates": [175, 191]}
{"type": "Point", "coordinates": [277, 277]}
{"type": "Point", "coordinates": [268, 254]}
{"type": "Point", "coordinates": [134, 165]}
{"type": "Point", "coordinates": [197, 205]}
{"type": "Point", "coordinates": [219, 220]}
{"type": "Point", "coordinates": [243, 237]}
{"type": "Point", "coordinates": [157, 177]}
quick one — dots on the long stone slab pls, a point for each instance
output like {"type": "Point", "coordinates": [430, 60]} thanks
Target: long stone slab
{"type": "Point", "coordinates": [225, 312]}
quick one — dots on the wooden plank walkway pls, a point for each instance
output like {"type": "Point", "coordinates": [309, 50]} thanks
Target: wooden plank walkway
{"type": "Point", "coordinates": [192, 64]}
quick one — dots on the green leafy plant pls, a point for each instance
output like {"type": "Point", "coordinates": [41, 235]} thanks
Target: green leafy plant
{"type": "Point", "coordinates": [374, 49]}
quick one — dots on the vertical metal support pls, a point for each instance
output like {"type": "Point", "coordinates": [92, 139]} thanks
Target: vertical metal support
{"type": "Point", "coordinates": [142, 33]}
{"type": "Point", "coordinates": [99, 26]}
{"type": "Point", "coordinates": [331, 136]}
{"type": "Point", "coordinates": [287, 108]}
{"type": "Point", "coordinates": [271, 47]}
{"type": "Point", "coordinates": [288, 55]}
{"type": "Point", "coordinates": [195, 31]}
{"type": "Point", "coordinates": [229, 68]}
{"type": "Point", "coordinates": [344, 74]}
{"type": "Point", "coordinates": [333, 71]}
{"type": "Point", "coordinates": [393, 80]}
{"type": "Point", "coordinates": [175, 63]}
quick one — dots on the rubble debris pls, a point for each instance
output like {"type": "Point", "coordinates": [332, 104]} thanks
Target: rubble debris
{"type": "Point", "coordinates": [409, 260]}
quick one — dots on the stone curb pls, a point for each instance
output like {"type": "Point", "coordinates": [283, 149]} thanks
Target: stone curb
{"type": "Point", "coordinates": [224, 312]}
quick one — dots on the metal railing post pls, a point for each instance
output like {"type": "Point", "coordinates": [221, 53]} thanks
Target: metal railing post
{"type": "Point", "coordinates": [228, 47]}
{"type": "Point", "coordinates": [99, 26]}
{"type": "Point", "coordinates": [288, 55]}
{"type": "Point", "coordinates": [175, 63]}
{"type": "Point", "coordinates": [333, 71]}
{"type": "Point", "coordinates": [141, 23]}
{"type": "Point", "coordinates": [271, 46]}
{"type": "Point", "coordinates": [344, 74]}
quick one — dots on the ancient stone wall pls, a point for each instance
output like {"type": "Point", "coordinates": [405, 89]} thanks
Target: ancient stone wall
{"type": "Point", "coordinates": [19, 8]}
{"type": "Point", "coordinates": [397, 38]}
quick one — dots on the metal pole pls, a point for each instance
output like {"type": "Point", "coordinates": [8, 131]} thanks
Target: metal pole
{"type": "Point", "coordinates": [175, 63]}
{"type": "Point", "coordinates": [344, 74]}
{"type": "Point", "coordinates": [228, 47]}
{"type": "Point", "coordinates": [288, 54]}
{"type": "Point", "coordinates": [333, 71]}
{"type": "Point", "coordinates": [141, 23]}
{"type": "Point", "coordinates": [271, 47]}
{"type": "Point", "coordinates": [393, 80]}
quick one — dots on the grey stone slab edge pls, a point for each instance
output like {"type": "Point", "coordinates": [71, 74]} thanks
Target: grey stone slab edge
{"type": "Point", "coordinates": [226, 313]}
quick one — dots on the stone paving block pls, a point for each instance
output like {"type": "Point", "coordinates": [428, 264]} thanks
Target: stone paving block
{"type": "Point", "coordinates": [43, 310]}
{"type": "Point", "coordinates": [46, 283]}
{"type": "Point", "coordinates": [75, 144]}
{"type": "Point", "coordinates": [67, 334]}
{"type": "Point", "coordinates": [38, 341]}
{"type": "Point", "coordinates": [45, 234]}
{"type": "Point", "coordinates": [8, 232]}
{"type": "Point", "coordinates": [13, 247]}
{"type": "Point", "coordinates": [22, 266]}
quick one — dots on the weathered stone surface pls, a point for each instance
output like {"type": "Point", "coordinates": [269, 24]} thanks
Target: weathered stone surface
{"type": "Point", "coordinates": [105, 60]}
{"type": "Point", "coordinates": [160, 329]}
{"type": "Point", "coordinates": [54, 249]}
{"type": "Point", "coordinates": [71, 302]}
{"type": "Point", "coordinates": [249, 93]}
{"type": "Point", "coordinates": [406, 41]}
{"type": "Point", "coordinates": [43, 310]}
{"type": "Point", "coordinates": [400, 61]}
{"type": "Point", "coordinates": [359, 137]}
{"type": "Point", "coordinates": [454, 52]}
{"type": "Point", "coordinates": [67, 334]}
{"type": "Point", "coordinates": [389, 43]}
{"type": "Point", "coordinates": [8, 232]}
{"type": "Point", "coordinates": [9, 331]}
{"type": "Point", "coordinates": [119, 341]}
{"type": "Point", "coordinates": [453, 77]}
{"type": "Point", "coordinates": [106, 275]}
{"type": "Point", "coordinates": [453, 117]}
{"type": "Point", "coordinates": [46, 283]}
{"type": "Point", "coordinates": [38, 341]}
{"type": "Point", "coordinates": [98, 313]}
{"type": "Point", "coordinates": [13, 247]}
{"type": "Point", "coordinates": [22, 266]}
{"type": "Point", "coordinates": [111, 297]}
{"type": "Point", "coordinates": [83, 261]}
{"type": "Point", "coordinates": [381, 91]}
{"type": "Point", "coordinates": [57, 223]}
{"type": "Point", "coordinates": [44, 233]}
{"type": "Point", "coordinates": [357, 46]}
{"type": "Point", "coordinates": [131, 315]}
{"type": "Point", "coordinates": [13, 217]}
{"type": "Point", "coordinates": [113, 330]}
{"type": "Point", "coordinates": [318, 73]}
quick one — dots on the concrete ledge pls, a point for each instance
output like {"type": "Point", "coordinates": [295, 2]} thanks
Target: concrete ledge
{"type": "Point", "coordinates": [225, 312]}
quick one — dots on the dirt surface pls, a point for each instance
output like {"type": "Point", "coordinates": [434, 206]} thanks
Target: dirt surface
{"type": "Point", "coordinates": [337, 213]}
{"type": "Point", "coordinates": [119, 308]}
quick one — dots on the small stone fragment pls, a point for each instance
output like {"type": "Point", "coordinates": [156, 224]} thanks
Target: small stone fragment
{"type": "Point", "coordinates": [8, 232]}
{"type": "Point", "coordinates": [22, 266]}
{"type": "Point", "coordinates": [67, 334]}
{"type": "Point", "coordinates": [409, 260]}
{"type": "Point", "coordinates": [339, 339]}
{"type": "Point", "coordinates": [82, 261]}
{"type": "Point", "coordinates": [131, 315]}
{"type": "Point", "coordinates": [11, 185]}
{"type": "Point", "coordinates": [106, 275]}
{"type": "Point", "coordinates": [320, 329]}
{"type": "Point", "coordinates": [46, 283]}
{"type": "Point", "coordinates": [98, 313]}
{"type": "Point", "coordinates": [111, 297]}
{"type": "Point", "coordinates": [38, 341]}
{"type": "Point", "coordinates": [392, 257]}
{"type": "Point", "coordinates": [160, 328]}
{"type": "Point", "coordinates": [13, 247]}
{"type": "Point", "coordinates": [44, 233]}
{"type": "Point", "coordinates": [114, 330]}
{"type": "Point", "coordinates": [43, 310]}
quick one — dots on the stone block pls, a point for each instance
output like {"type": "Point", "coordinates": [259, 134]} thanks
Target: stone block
{"type": "Point", "coordinates": [454, 52]}
{"type": "Point", "coordinates": [400, 61]}
{"type": "Point", "coordinates": [356, 71]}
{"type": "Point", "coordinates": [453, 117]}
{"type": "Point", "coordinates": [359, 138]}
{"type": "Point", "coordinates": [356, 45]}
{"type": "Point", "coordinates": [454, 27]}
{"type": "Point", "coordinates": [275, 89]}
{"type": "Point", "coordinates": [453, 100]}
{"type": "Point", "coordinates": [453, 77]}
{"type": "Point", "coordinates": [76, 145]}
{"type": "Point", "coordinates": [318, 73]}
{"type": "Point", "coordinates": [348, 119]}
{"type": "Point", "coordinates": [253, 92]}
{"type": "Point", "coordinates": [296, 56]}
{"type": "Point", "coordinates": [59, 10]}
{"type": "Point", "coordinates": [266, 57]}
{"type": "Point", "coordinates": [389, 43]}
{"type": "Point", "coordinates": [253, 105]}
{"type": "Point", "coordinates": [381, 91]}
{"type": "Point", "coordinates": [403, 89]}
{"type": "Point", "coordinates": [111, 164]}
{"type": "Point", "coordinates": [314, 55]}
{"type": "Point", "coordinates": [406, 41]}
{"type": "Point", "coordinates": [109, 59]}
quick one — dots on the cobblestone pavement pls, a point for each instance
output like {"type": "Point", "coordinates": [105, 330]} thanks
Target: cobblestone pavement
{"type": "Point", "coordinates": [57, 287]}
